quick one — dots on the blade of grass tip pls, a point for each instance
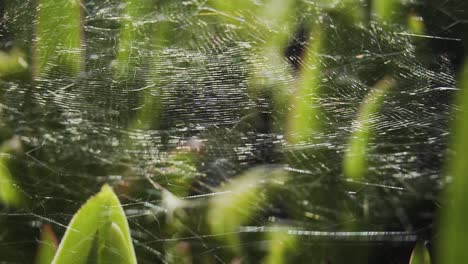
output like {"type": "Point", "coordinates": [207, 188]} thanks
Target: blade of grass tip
{"type": "Point", "coordinates": [47, 245]}
{"type": "Point", "coordinates": [386, 12]}
{"type": "Point", "coordinates": [420, 254]}
{"type": "Point", "coordinates": [355, 159]}
{"type": "Point", "coordinates": [58, 37]}
{"type": "Point", "coordinates": [92, 219]}
{"type": "Point", "coordinates": [240, 200]}
{"type": "Point", "coordinates": [454, 215]}
{"type": "Point", "coordinates": [280, 242]}
{"type": "Point", "coordinates": [303, 117]}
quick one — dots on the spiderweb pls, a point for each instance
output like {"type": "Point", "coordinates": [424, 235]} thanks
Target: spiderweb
{"type": "Point", "coordinates": [219, 116]}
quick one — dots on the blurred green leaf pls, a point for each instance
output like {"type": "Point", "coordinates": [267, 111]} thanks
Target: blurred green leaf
{"type": "Point", "coordinates": [59, 37]}
{"type": "Point", "coordinates": [134, 32]}
{"type": "Point", "coordinates": [47, 245]}
{"type": "Point", "coordinates": [355, 159]}
{"type": "Point", "coordinates": [453, 226]}
{"type": "Point", "coordinates": [305, 109]}
{"type": "Point", "coordinates": [10, 193]}
{"type": "Point", "coordinates": [420, 254]}
{"type": "Point", "coordinates": [238, 202]}
{"type": "Point", "coordinates": [101, 215]}
{"type": "Point", "coordinates": [386, 11]}
{"type": "Point", "coordinates": [12, 62]}
{"type": "Point", "coordinates": [280, 242]}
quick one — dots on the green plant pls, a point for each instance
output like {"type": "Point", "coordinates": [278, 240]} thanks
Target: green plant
{"type": "Point", "coordinates": [100, 226]}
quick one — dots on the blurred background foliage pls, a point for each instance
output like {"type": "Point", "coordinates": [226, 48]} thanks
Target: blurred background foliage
{"type": "Point", "coordinates": [238, 131]}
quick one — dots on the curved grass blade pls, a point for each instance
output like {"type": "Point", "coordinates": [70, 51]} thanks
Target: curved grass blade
{"type": "Point", "coordinates": [240, 200]}
{"type": "Point", "coordinates": [454, 215]}
{"type": "Point", "coordinates": [47, 246]}
{"type": "Point", "coordinates": [94, 218]}
{"type": "Point", "coordinates": [303, 117]}
{"type": "Point", "coordinates": [59, 37]}
{"type": "Point", "coordinates": [420, 254]}
{"type": "Point", "coordinates": [355, 159]}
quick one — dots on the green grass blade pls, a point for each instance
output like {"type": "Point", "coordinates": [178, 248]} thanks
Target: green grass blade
{"type": "Point", "coordinates": [242, 198]}
{"type": "Point", "coordinates": [355, 159]}
{"type": "Point", "coordinates": [453, 225]}
{"type": "Point", "coordinates": [59, 37]}
{"type": "Point", "coordinates": [280, 244]}
{"type": "Point", "coordinates": [386, 11]}
{"type": "Point", "coordinates": [10, 195]}
{"type": "Point", "coordinates": [133, 34]}
{"type": "Point", "coordinates": [95, 215]}
{"type": "Point", "coordinates": [420, 254]}
{"type": "Point", "coordinates": [303, 117]}
{"type": "Point", "coordinates": [47, 246]}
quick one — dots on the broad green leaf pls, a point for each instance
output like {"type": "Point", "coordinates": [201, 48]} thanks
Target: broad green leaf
{"type": "Point", "coordinates": [305, 110]}
{"type": "Point", "coordinates": [453, 227]}
{"type": "Point", "coordinates": [96, 217]}
{"type": "Point", "coordinates": [420, 254]}
{"type": "Point", "coordinates": [239, 201]}
{"type": "Point", "coordinates": [355, 159]}
{"type": "Point", "coordinates": [47, 246]}
{"type": "Point", "coordinates": [280, 243]}
{"type": "Point", "coordinates": [113, 247]}
{"type": "Point", "coordinates": [59, 37]}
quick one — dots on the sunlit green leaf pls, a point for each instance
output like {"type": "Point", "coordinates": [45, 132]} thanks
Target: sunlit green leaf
{"type": "Point", "coordinates": [10, 194]}
{"type": "Point", "coordinates": [420, 254]}
{"type": "Point", "coordinates": [47, 246]}
{"type": "Point", "coordinates": [355, 159]}
{"type": "Point", "coordinates": [12, 62]}
{"type": "Point", "coordinates": [280, 243]}
{"type": "Point", "coordinates": [303, 117]}
{"type": "Point", "coordinates": [59, 37]}
{"type": "Point", "coordinates": [101, 215]}
{"type": "Point", "coordinates": [386, 11]}
{"type": "Point", "coordinates": [238, 202]}
{"type": "Point", "coordinates": [453, 225]}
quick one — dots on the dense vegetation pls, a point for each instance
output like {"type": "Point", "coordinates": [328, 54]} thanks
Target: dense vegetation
{"type": "Point", "coordinates": [233, 131]}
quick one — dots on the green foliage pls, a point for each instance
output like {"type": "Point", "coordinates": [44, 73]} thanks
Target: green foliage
{"type": "Point", "coordinates": [47, 246]}
{"type": "Point", "coordinates": [453, 228]}
{"type": "Point", "coordinates": [386, 11]}
{"type": "Point", "coordinates": [280, 243]}
{"type": "Point", "coordinates": [420, 254]}
{"type": "Point", "coordinates": [12, 62]}
{"type": "Point", "coordinates": [10, 193]}
{"type": "Point", "coordinates": [303, 121]}
{"type": "Point", "coordinates": [101, 216]}
{"type": "Point", "coordinates": [355, 160]}
{"type": "Point", "coordinates": [241, 199]}
{"type": "Point", "coordinates": [59, 43]}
